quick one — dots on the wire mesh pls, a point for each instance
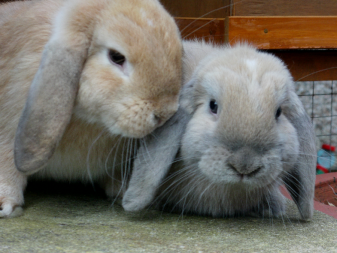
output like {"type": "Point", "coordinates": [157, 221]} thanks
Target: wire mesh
{"type": "Point", "coordinates": [319, 99]}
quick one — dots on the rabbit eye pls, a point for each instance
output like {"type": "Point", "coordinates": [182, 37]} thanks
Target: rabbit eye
{"type": "Point", "coordinates": [213, 105]}
{"type": "Point", "coordinates": [278, 112]}
{"type": "Point", "coordinates": [116, 57]}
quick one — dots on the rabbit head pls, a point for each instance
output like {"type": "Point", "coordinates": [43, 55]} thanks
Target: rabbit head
{"type": "Point", "coordinates": [244, 133]}
{"type": "Point", "coordinates": [238, 132]}
{"type": "Point", "coordinates": [114, 63]}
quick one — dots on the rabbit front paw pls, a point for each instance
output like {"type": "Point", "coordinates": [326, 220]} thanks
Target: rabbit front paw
{"type": "Point", "coordinates": [10, 208]}
{"type": "Point", "coordinates": [11, 195]}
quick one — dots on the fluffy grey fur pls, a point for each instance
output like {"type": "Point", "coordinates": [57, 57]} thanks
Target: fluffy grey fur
{"type": "Point", "coordinates": [233, 160]}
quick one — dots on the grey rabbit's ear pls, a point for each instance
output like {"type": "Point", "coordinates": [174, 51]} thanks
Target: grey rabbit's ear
{"type": "Point", "coordinates": [51, 98]}
{"type": "Point", "coordinates": [300, 181]}
{"type": "Point", "coordinates": [154, 158]}
{"type": "Point", "coordinates": [186, 100]}
{"type": "Point", "coordinates": [156, 155]}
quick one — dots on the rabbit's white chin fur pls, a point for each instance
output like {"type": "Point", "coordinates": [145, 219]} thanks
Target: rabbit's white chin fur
{"type": "Point", "coordinates": [200, 195]}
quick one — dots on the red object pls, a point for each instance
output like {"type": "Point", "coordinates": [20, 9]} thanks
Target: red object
{"type": "Point", "coordinates": [320, 167]}
{"type": "Point", "coordinates": [321, 180]}
{"type": "Point", "coordinates": [329, 147]}
{"type": "Point", "coordinates": [326, 192]}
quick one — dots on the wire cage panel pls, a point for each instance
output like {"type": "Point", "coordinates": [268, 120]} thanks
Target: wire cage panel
{"type": "Point", "coordinates": [319, 99]}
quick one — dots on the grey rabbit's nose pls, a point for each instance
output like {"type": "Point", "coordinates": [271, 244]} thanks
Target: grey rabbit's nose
{"type": "Point", "coordinates": [245, 161]}
{"type": "Point", "coordinates": [245, 169]}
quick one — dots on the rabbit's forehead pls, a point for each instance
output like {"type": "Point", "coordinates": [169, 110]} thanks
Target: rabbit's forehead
{"type": "Point", "coordinates": [255, 79]}
{"type": "Point", "coordinates": [252, 94]}
{"type": "Point", "coordinates": [142, 28]}
{"type": "Point", "coordinates": [148, 15]}
{"type": "Point", "coordinates": [228, 87]}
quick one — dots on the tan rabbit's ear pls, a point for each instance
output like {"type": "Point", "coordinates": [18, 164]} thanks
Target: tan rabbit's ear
{"type": "Point", "coordinates": [52, 94]}
{"type": "Point", "coordinates": [300, 181]}
{"type": "Point", "coordinates": [49, 106]}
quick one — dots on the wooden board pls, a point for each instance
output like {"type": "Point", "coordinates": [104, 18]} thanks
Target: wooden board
{"type": "Point", "coordinates": [304, 65]}
{"type": "Point", "coordinates": [284, 7]}
{"type": "Point", "coordinates": [224, 8]}
{"type": "Point", "coordinates": [207, 29]}
{"type": "Point", "coordinates": [284, 32]}
{"type": "Point", "coordinates": [309, 65]}
{"type": "Point", "coordinates": [197, 8]}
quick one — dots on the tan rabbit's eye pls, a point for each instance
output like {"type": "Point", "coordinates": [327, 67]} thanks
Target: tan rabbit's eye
{"type": "Point", "coordinates": [116, 57]}
{"type": "Point", "coordinates": [278, 113]}
{"type": "Point", "coordinates": [213, 105]}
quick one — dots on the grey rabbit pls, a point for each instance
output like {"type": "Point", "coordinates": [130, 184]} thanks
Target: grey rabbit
{"type": "Point", "coordinates": [240, 132]}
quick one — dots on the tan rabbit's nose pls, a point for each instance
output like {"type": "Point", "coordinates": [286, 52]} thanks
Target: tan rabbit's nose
{"type": "Point", "coordinates": [158, 119]}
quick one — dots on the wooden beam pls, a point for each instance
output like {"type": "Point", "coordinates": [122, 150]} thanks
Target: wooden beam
{"type": "Point", "coordinates": [197, 8]}
{"type": "Point", "coordinates": [205, 28]}
{"type": "Point", "coordinates": [284, 8]}
{"type": "Point", "coordinates": [284, 32]}
{"type": "Point", "coordinates": [310, 65]}
{"type": "Point", "coordinates": [304, 65]}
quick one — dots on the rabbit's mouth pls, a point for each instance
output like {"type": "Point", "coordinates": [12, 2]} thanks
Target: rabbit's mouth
{"type": "Point", "coordinates": [227, 175]}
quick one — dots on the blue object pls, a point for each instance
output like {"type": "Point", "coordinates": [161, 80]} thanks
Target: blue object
{"type": "Point", "coordinates": [326, 158]}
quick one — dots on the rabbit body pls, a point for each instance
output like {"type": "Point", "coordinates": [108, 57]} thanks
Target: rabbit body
{"type": "Point", "coordinates": [243, 133]}
{"type": "Point", "coordinates": [80, 80]}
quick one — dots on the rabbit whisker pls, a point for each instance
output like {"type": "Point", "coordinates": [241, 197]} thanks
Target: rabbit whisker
{"type": "Point", "coordinates": [174, 185]}
{"type": "Point", "coordinates": [88, 156]}
{"type": "Point", "coordinates": [107, 160]}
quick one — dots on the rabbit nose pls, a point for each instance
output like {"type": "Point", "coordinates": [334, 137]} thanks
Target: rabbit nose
{"type": "Point", "coordinates": [254, 170]}
{"type": "Point", "coordinates": [158, 119]}
{"type": "Point", "coordinates": [245, 169]}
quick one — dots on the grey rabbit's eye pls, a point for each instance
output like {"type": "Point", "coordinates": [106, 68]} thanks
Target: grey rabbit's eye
{"type": "Point", "coordinates": [116, 57]}
{"type": "Point", "coordinates": [278, 113]}
{"type": "Point", "coordinates": [213, 105]}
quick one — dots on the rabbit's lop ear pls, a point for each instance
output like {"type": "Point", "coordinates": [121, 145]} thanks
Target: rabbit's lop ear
{"type": "Point", "coordinates": [156, 155]}
{"type": "Point", "coordinates": [300, 181]}
{"type": "Point", "coordinates": [52, 93]}
{"type": "Point", "coordinates": [154, 158]}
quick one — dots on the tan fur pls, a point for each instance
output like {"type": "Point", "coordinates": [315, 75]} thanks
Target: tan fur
{"type": "Point", "coordinates": [110, 102]}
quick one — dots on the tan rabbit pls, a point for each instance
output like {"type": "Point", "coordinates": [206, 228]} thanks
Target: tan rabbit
{"type": "Point", "coordinates": [79, 80]}
{"type": "Point", "coordinates": [240, 132]}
